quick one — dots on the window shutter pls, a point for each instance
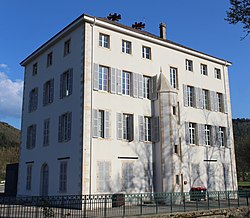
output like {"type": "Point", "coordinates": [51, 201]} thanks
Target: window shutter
{"type": "Point", "coordinates": [200, 98]}
{"type": "Point", "coordinates": [44, 94]}
{"type": "Point", "coordinates": [119, 81]}
{"type": "Point", "coordinates": [227, 137]}
{"type": "Point", "coordinates": [33, 143]}
{"type": "Point", "coordinates": [36, 99]}
{"type": "Point", "coordinates": [113, 81]}
{"type": "Point", "coordinates": [95, 74]}
{"type": "Point", "coordinates": [100, 176]}
{"type": "Point", "coordinates": [61, 86]}
{"type": "Point", "coordinates": [119, 125]}
{"type": "Point", "coordinates": [135, 85]}
{"type": "Point", "coordinates": [131, 128]}
{"type": "Point", "coordinates": [51, 90]}
{"type": "Point", "coordinates": [153, 88]}
{"type": "Point", "coordinates": [203, 134]}
{"type": "Point", "coordinates": [69, 125]}
{"type": "Point", "coordinates": [187, 133]}
{"type": "Point", "coordinates": [213, 136]}
{"type": "Point", "coordinates": [60, 129]}
{"type": "Point", "coordinates": [107, 176]}
{"type": "Point", "coordinates": [200, 134]}
{"type": "Point", "coordinates": [95, 122]}
{"type": "Point", "coordinates": [70, 81]}
{"type": "Point", "coordinates": [185, 97]}
{"type": "Point", "coordinates": [215, 102]}
{"type": "Point", "coordinates": [141, 128]}
{"type": "Point", "coordinates": [107, 124]}
{"type": "Point", "coordinates": [155, 129]}
{"type": "Point", "coordinates": [225, 104]}
{"type": "Point", "coordinates": [218, 138]}
{"type": "Point", "coordinates": [140, 86]}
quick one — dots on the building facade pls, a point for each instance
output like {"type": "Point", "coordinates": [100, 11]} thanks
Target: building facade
{"type": "Point", "coordinates": [108, 108]}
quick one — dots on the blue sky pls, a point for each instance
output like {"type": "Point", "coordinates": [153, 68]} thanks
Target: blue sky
{"type": "Point", "coordinates": [26, 24]}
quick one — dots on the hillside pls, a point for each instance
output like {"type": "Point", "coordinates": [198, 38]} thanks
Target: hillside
{"type": "Point", "coordinates": [242, 147]}
{"type": "Point", "coordinates": [9, 146]}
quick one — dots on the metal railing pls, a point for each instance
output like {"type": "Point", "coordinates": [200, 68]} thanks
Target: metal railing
{"type": "Point", "coordinates": [119, 205]}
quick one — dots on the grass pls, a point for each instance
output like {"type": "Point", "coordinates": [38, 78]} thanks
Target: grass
{"type": "Point", "coordinates": [243, 183]}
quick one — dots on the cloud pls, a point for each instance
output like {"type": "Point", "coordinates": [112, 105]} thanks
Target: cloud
{"type": "Point", "coordinates": [11, 93]}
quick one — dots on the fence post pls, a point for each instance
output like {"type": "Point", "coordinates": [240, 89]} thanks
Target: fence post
{"type": "Point", "coordinates": [219, 200]}
{"type": "Point", "coordinates": [156, 203]}
{"type": "Point", "coordinates": [105, 206]}
{"type": "Point", "coordinates": [141, 204]}
{"type": "Point", "coordinates": [171, 202]}
{"type": "Point", "coordinates": [238, 197]}
{"type": "Point", "coordinates": [208, 205]}
{"type": "Point", "coordinates": [184, 201]}
{"type": "Point", "coordinates": [228, 194]}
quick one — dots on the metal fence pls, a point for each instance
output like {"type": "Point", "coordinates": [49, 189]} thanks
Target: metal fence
{"type": "Point", "coordinates": [119, 205]}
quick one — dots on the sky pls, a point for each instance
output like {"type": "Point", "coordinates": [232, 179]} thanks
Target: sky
{"type": "Point", "coordinates": [27, 24]}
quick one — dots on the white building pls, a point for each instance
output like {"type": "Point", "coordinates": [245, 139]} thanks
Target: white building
{"type": "Point", "coordinates": [109, 108]}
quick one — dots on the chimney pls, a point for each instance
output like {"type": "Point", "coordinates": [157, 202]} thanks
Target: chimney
{"type": "Point", "coordinates": [163, 30]}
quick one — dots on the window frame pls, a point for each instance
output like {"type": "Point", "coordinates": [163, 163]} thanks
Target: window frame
{"type": "Point", "coordinates": [66, 83]}
{"type": "Point", "coordinates": [126, 83]}
{"type": "Point", "coordinates": [67, 47]}
{"type": "Point", "coordinates": [46, 132]}
{"type": "Point", "coordinates": [189, 65]}
{"type": "Point", "coordinates": [63, 176]}
{"type": "Point", "coordinates": [29, 168]}
{"type": "Point", "coordinates": [103, 75]}
{"type": "Point", "coordinates": [207, 132]}
{"type": "Point", "coordinates": [174, 77]}
{"type": "Point", "coordinates": [146, 52]}
{"type": "Point", "coordinates": [148, 128]}
{"type": "Point", "coordinates": [104, 40]}
{"type": "Point", "coordinates": [31, 137]}
{"type": "Point", "coordinates": [65, 127]}
{"type": "Point", "coordinates": [219, 97]}
{"type": "Point", "coordinates": [127, 126]}
{"type": "Point", "coordinates": [101, 123]}
{"type": "Point", "coordinates": [190, 96]}
{"type": "Point", "coordinates": [204, 69]}
{"type": "Point", "coordinates": [33, 100]}
{"type": "Point", "coordinates": [146, 87]}
{"type": "Point", "coordinates": [192, 128]}
{"type": "Point", "coordinates": [126, 47]}
{"type": "Point", "coordinates": [49, 59]}
{"type": "Point", "coordinates": [35, 69]}
{"type": "Point", "coordinates": [222, 136]}
{"type": "Point", "coordinates": [217, 73]}
{"type": "Point", "coordinates": [205, 99]}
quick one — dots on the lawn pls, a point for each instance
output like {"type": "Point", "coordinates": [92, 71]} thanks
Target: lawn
{"type": "Point", "coordinates": [243, 183]}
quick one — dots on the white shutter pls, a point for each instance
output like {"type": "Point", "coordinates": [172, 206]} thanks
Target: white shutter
{"type": "Point", "coordinates": [227, 137]}
{"type": "Point", "coordinates": [113, 81]}
{"type": "Point", "coordinates": [107, 179]}
{"type": "Point", "coordinates": [69, 125]}
{"type": "Point", "coordinates": [225, 103]}
{"type": "Point", "coordinates": [51, 93]}
{"type": "Point", "coordinates": [153, 88]}
{"type": "Point", "coordinates": [70, 81]}
{"type": "Point", "coordinates": [95, 122]}
{"type": "Point", "coordinates": [60, 129]}
{"type": "Point", "coordinates": [119, 125]}
{"type": "Point", "coordinates": [100, 176]}
{"type": "Point", "coordinates": [119, 81]}
{"type": "Point", "coordinates": [197, 97]}
{"type": "Point", "coordinates": [95, 74]}
{"type": "Point", "coordinates": [140, 86]}
{"type": "Point", "coordinates": [203, 138]}
{"type": "Point", "coordinates": [215, 101]}
{"type": "Point", "coordinates": [200, 98]}
{"type": "Point", "coordinates": [155, 129]}
{"type": "Point", "coordinates": [141, 128]}
{"type": "Point", "coordinates": [131, 128]}
{"type": "Point", "coordinates": [187, 133]}
{"type": "Point", "coordinates": [185, 97]}
{"type": "Point", "coordinates": [213, 136]}
{"type": "Point", "coordinates": [107, 124]}
{"type": "Point", "coordinates": [218, 138]}
{"type": "Point", "coordinates": [135, 85]}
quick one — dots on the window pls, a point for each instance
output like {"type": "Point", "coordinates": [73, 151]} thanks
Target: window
{"type": "Point", "coordinates": [173, 77]}
{"type": "Point", "coordinates": [147, 122]}
{"type": "Point", "coordinates": [103, 176]}
{"type": "Point", "coordinates": [127, 175]}
{"type": "Point", "coordinates": [101, 123]}
{"type": "Point", "coordinates": [31, 137]}
{"type": "Point", "coordinates": [174, 110]}
{"type": "Point", "coordinates": [64, 129]}
{"type": "Point", "coordinates": [146, 52]}
{"type": "Point", "coordinates": [146, 87]}
{"type": "Point", "coordinates": [49, 59]}
{"type": "Point", "coordinates": [33, 99]}
{"type": "Point", "coordinates": [46, 125]}
{"type": "Point", "coordinates": [192, 133]}
{"type": "Point", "coordinates": [204, 69]}
{"type": "Point", "coordinates": [207, 135]}
{"type": "Point", "coordinates": [125, 83]}
{"type": "Point", "coordinates": [217, 73]}
{"type": "Point", "coordinates": [67, 47]}
{"type": "Point", "coordinates": [222, 136]}
{"type": "Point", "coordinates": [177, 179]}
{"type": "Point", "coordinates": [176, 149]}
{"type": "Point", "coordinates": [128, 127]}
{"type": "Point", "coordinates": [48, 92]}
{"type": "Point", "coordinates": [34, 70]}
{"type": "Point", "coordinates": [28, 176]}
{"type": "Point", "coordinates": [63, 176]}
{"type": "Point", "coordinates": [220, 102]}
{"type": "Point", "coordinates": [103, 78]}
{"type": "Point", "coordinates": [205, 99]}
{"type": "Point", "coordinates": [126, 47]}
{"type": "Point", "coordinates": [190, 96]}
{"type": "Point", "coordinates": [189, 65]}
{"type": "Point", "coordinates": [104, 40]}
{"type": "Point", "coordinates": [66, 83]}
